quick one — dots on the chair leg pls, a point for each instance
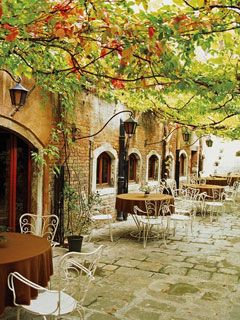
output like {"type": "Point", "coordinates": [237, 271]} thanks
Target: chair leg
{"type": "Point", "coordinates": [174, 227]}
{"type": "Point", "coordinates": [164, 238]}
{"type": "Point", "coordinates": [145, 235]}
{"type": "Point", "coordinates": [81, 312]}
{"type": "Point", "coordinates": [186, 228]}
{"type": "Point", "coordinates": [18, 313]}
{"type": "Point", "coordinates": [110, 231]}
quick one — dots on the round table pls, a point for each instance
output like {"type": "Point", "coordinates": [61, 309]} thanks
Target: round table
{"type": "Point", "coordinates": [29, 255]}
{"type": "Point", "coordinates": [232, 178]}
{"type": "Point", "coordinates": [216, 181]}
{"type": "Point", "coordinates": [208, 188]}
{"type": "Point", "coordinates": [126, 201]}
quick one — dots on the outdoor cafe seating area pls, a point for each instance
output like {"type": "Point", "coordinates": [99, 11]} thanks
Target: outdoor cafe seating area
{"type": "Point", "coordinates": [162, 214]}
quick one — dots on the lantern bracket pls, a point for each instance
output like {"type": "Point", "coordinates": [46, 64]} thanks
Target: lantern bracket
{"type": "Point", "coordinates": [75, 130]}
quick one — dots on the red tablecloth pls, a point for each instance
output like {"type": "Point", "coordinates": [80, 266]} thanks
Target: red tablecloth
{"type": "Point", "coordinates": [125, 202]}
{"type": "Point", "coordinates": [217, 181]}
{"type": "Point", "coordinates": [29, 255]}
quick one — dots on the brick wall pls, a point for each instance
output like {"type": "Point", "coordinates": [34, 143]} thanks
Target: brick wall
{"type": "Point", "coordinates": [91, 116]}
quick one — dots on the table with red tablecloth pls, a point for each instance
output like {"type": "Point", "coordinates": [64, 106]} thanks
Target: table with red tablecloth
{"type": "Point", "coordinates": [219, 181]}
{"type": "Point", "coordinates": [29, 255]}
{"type": "Point", "coordinates": [208, 188]}
{"type": "Point", "coordinates": [126, 202]}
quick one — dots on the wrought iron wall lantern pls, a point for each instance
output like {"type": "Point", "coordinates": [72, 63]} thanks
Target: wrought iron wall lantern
{"type": "Point", "coordinates": [18, 93]}
{"type": "Point", "coordinates": [209, 141]}
{"type": "Point", "coordinates": [186, 135]}
{"type": "Point", "coordinates": [130, 126]}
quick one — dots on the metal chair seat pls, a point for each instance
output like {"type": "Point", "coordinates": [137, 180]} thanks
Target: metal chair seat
{"type": "Point", "coordinates": [47, 303]}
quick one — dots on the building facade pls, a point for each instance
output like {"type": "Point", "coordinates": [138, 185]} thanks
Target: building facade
{"type": "Point", "coordinates": [156, 151]}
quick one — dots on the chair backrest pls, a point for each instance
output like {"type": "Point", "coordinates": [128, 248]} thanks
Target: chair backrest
{"type": "Point", "coordinates": [172, 184]}
{"type": "Point", "coordinates": [76, 271]}
{"type": "Point", "coordinates": [217, 194]}
{"type": "Point", "coordinates": [43, 226]}
{"type": "Point", "coordinates": [154, 209]}
{"type": "Point", "coordinates": [193, 179]}
{"type": "Point", "coordinates": [236, 185]}
{"type": "Point", "coordinates": [190, 193]}
{"type": "Point", "coordinates": [229, 180]}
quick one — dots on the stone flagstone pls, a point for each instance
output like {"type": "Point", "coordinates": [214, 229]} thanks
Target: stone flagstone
{"type": "Point", "coordinates": [194, 278]}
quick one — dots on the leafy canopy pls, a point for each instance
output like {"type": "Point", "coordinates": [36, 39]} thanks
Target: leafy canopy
{"type": "Point", "coordinates": [179, 58]}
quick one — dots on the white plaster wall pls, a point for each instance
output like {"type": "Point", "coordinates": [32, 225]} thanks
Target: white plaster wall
{"type": "Point", "coordinates": [228, 162]}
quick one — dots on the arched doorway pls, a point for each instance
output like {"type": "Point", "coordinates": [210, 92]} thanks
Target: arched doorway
{"type": "Point", "coordinates": [182, 161]}
{"type": "Point", "coordinates": [15, 178]}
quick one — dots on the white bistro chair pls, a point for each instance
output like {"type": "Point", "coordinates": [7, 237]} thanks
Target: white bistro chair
{"type": "Point", "coordinates": [43, 226]}
{"type": "Point", "coordinates": [184, 214]}
{"type": "Point", "coordinates": [74, 276]}
{"type": "Point", "coordinates": [154, 222]}
{"type": "Point", "coordinates": [215, 204]}
{"type": "Point", "coordinates": [98, 213]}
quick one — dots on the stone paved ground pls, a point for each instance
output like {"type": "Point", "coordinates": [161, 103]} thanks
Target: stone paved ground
{"type": "Point", "coordinates": [194, 278]}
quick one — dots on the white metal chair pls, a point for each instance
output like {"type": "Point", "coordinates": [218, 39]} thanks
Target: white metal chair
{"type": "Point", "coordinates": [172, 184]}
{"type": "Point", "coordinates": [182, 213]}
{"type": "Point", "coordinates": [156, 215]}
{"type": "Point", "coordinates": [43, 226]}
{"type": "Point", "coordinates": [200, 206]}
{"type": "Point", "coordinates": [231, 193]}
{"type": "Point", "coordinates": [193, 179]}
{"type": "Point", "coordinates": [74, 276]}
{"type": "Point", "coordinates": [216, 203]}
{"type": "Point", "coordinates": [98, 213]}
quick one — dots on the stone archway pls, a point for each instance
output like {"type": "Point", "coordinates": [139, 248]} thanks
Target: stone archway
{"type": "Point", "coordinates": [19, 179]}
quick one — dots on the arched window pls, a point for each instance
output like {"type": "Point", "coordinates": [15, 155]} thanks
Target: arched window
{"type": "Point", "coordinates": [132, 167]}
{"type": "Point", "coordinates": [153, 167]}
{"type": "Point", "coordinates": [103, 169]}
{"type": "Point", "coordinates": [182, 162]}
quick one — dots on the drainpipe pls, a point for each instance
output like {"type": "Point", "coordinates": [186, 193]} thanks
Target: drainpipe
{"type": "Point", "coordinates": [177, 162]}
{"type": "Point", "coordinates": [122, 184]}
{"type": "Point", "coordinates": [164, 151]}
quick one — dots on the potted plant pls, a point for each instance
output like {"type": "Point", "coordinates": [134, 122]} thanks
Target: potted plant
{"type": "Point", "coordinates": [78, 220]}
{"type": "Point", "coordinates": [146, 189]}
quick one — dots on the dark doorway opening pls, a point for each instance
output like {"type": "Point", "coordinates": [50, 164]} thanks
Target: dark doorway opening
{"type": "Point", "coordinates": [15, 179]}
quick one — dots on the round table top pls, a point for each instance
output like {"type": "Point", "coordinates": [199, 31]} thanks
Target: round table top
{"type": "Point", "coordinates": [203, 186]}
{"type": "Point", "coordinates": [216, 181]}
{"type": "Point", "coordinates": [215, 178]}
{"type": "Point", "coordinates": [20, 247]}
{"type": "Point", "coordinates": [143, 197]}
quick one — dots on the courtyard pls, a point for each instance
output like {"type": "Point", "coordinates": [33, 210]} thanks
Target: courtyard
{"type": "Point", "coordinates": [195, 277]}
